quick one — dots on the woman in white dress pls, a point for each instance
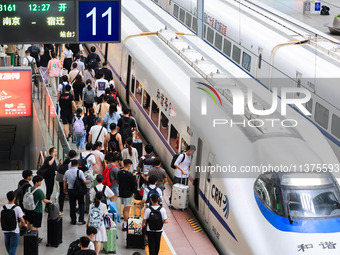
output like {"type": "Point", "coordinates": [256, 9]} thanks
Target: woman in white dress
{"type": "Point", "coordinates": [130, 153]}
{"type": "Point", "coordinates": [100, 226]}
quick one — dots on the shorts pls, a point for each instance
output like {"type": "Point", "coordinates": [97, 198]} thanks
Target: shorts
{"type": "Point", "coordinates": [34, 218]}
{"type": "Point", "coordinates": [67, 118]}
{"type": "Point", "coordinates": [115, 190]}
{"type": "Point", "coordinates": [126, 201]}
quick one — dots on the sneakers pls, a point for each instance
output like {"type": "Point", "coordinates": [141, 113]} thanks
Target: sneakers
{"type": "Point", "coordinates": [73, 223]}
{"type": "Point", "coordinates": [82, 222]}
{"type": "Point", "coordinates": [124, 226]}
{"type": "Point", "coordinates": [60, 213]}
{"type": "Point", "coordinates": [40, 240]}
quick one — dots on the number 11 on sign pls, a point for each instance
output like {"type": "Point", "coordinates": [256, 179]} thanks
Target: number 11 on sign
{"type": "Point", "coordinates": [93, 13]}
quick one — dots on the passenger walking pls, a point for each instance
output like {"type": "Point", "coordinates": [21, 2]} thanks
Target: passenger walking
{"type": "Point", "coordinates": [106, 71]}
{"type": "Point", "coordinates": [111, 171]}
{"type": "Point", "coordinates": [53, 68]}
{"type": "Point", "coordinates": [88, 96]}
{"type": "Point", "coordinates": [182, 165]}
{"type": "Point", "coordinates": [73, 73]}
{"type": "Point", "coordinates": [34, 216]}
{"type": "Point", "coordinates": [151, 189]}
{"type": "Point", "coordinates": [99, 167]}
{"type": "Point", "coordinates": [90, 121]}
{"type": "Point", "coordinates": [62, 86]}
{"type": "Point", "coordinates": [89, 74]}
{"type": "Point", "coordinates": [84, 247]}
{"type": "Point", "coordinates": [23, 185]}
{"type": "Point", "coordinates": [130, 153]}
{"type": "Point", "coordinates": [90, 158]}
{"type": "Point", "coordinates": [126, 125]}
{"type": "Point", "coordinates": [78, 87]}
{"type": "Point", "coordinates": [93, 60]}
{"type": "Point", "coordinates": [3, 53]}
{"type": "Point", "coordinates": [103, 108]}
{"type": "Point", "coordinates": [79, 130]}
{"type": "Point", "coordinates": [146, 161]}
{"type": "Point", "coordinates": [154, 218]}
{"type": "Point", "coordinates": [97, 133]}
{"type": "Point", "coordinates": [74, 194]}
{"type": "Point", "coordinates": [96, 219]}
{"type": "Point", "coordinates": [80, 64]}
{"type": "Point", "coordinates": [44, 59]}
{"type": "Point", "coordinates": [66, 165]}
{"type": "Point", "coordinates": [100, 187]}
{"type": "Point", "coordinates": [100, 85]}
{"type": "Point", "coordinates": [30, 62]}
{"type": "Point", "coordinates": [158, 171]}
{"type": "Point", "coordinates": [113, 137]}
{"type": "Point", "coordinates": [111, 117]}
{"type": "Point", "coordinates": [10, 215]}
{"type": "Point", "coordinates": [68, 57]}
{"type": "Point", "coordinates": [67, 105]}
{"type": "Point", "coordinates": [127, 186]}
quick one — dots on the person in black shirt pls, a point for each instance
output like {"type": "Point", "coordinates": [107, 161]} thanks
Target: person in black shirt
{"type": "Point", "coordinates": [45, 58]}
{"type": "Point", "coordinates": [127, 186]}
{"type": "Point", "coordinates": [89, 121]}
{"type": "Point", "coordinates": [107, 72]}
{"type": "Point", "coordinates": [78, 87]}
{"type": "Point", "coordinates": [126, 125]}
{"type": "Point", "coordinates": [84, 245]}
{"type": "Point", "coordinates": [27, 176]}
{"type": "Point", "coordinates": [49, 176]}
{"type": "Point", "coordinates": [93, 59]}
{"type": "Point", "coordinates": [67, 105]}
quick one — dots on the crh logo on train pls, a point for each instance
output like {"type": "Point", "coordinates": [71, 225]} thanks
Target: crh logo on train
{"type": "Point", "coordinates": [246, 103]}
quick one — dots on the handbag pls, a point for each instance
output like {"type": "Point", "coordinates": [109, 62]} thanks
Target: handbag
{"type": "Point", "coordinates": [43, 170]}
{"type": "Point", "coordinates": [108, 222]}
{"type": "Point", "coordinates": [59, 177]}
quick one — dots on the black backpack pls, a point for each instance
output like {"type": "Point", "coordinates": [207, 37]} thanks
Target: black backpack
{"type": "Point", "coordinates": [82, 163]}
{"type": "Point", "coordinates": [8, 219]}
{"type": "Point", "coordinates": [93, 63]}
{"type": "Point", "coordinates": [19, 194]}
{"type": "Point", "coordinates": [80, 185]}
{"type": "Point", "coordinates": [64, 166]}
{"type": "Point", "coordinates": [174, 158]}
{"type": "Point", "coordinates": [155, 219]}
{"type": "Point", "coordinates": [125, 131]}
{"type": "Point", "coordinates": [73, 248]}
{"type": "Point", "coordinates": [104, 199]}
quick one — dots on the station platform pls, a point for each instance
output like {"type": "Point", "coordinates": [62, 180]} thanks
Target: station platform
{"type": "Point", "coordinates": [294, 9]}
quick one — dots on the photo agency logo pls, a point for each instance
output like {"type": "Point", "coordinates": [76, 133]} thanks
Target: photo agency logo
{"type": "Point", "coordinates": [269, 108]}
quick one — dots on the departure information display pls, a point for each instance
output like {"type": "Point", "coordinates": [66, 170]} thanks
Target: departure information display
{"type": "Point", "coordinates": [15, 93]}
{"type": "Point", "coordinates": [38, 21]}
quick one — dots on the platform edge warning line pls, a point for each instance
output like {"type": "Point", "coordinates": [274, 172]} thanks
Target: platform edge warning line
{"type": "Point", "coordinates": [169, 243]}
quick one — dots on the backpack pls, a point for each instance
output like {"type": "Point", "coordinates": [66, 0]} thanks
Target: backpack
{"type": "Point", "coordinates": [89, 96]}
{"type": "Point", "coordinates": [174, 158]}
{"type": "Point", "coordinates": [32, 65]}
{"type": "Point", "coordinates": [19, 194]}
{"type": "Point", "coordinates": [82, 163]}
{"type": "Point", "coordinates": [106, 175]}
{"type": "Point", "coordinates": [28, 200]}
{"type": "Point", "coordinates": [104, 199]}
{"type": "Point", "coordinates": [64, 166]}
{"type": "Point", "coordinates": [63, 88]}
{"type": "Point", "coordinates": [147, 164]}
{"type": "Point", "coordinates": [125, 131]}
{"type": "Point", "coordinates": [80, 185]}
{"type": "Point", "coordinates": [96, 217]}
{"type": "Point", "coordinates": [73, 248]}
{"type": "Point", "coordinates": [114, 94]}
{"type": "Point", "coordinates": [8, 219]}
{"type": "Point", "coordinates": [155, 219]}
{"type": "Point", "coordinates": [93, 63]}
{"type": "Point", "coordinates": [78, 126]}
{"type": "Point", "coordinates": [151, 191]}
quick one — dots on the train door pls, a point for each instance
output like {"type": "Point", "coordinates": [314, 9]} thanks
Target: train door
{"type": "Point", "coordinates": [259, 62]}
{"type": "Point", "coordinates": [128, 79]}
{"type": "Point", "coordinates": [197, 177]}
{"type": "Point", "coordinates": [207, 188]}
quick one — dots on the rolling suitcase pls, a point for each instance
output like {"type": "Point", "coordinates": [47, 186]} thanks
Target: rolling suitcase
{"type": "Point", "coordinates": [180, 196]}
{"type": "Point", "coordinates": [110, 245]}
{"type": "Point", "coordinates": [31, 242]}
{"type": "Point", "coordinates": [135, 233]}
{"type": "Point", "coordinates": [54, 232]}
{"type": "Point", "coordinates": [87, 202]}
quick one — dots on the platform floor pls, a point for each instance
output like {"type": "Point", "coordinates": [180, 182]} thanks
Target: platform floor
{"type": "Point", "coordinates": [294, 9]}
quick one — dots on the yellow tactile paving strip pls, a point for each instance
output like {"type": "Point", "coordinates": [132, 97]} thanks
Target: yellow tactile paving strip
{"type": "Point", "coordinates": [196, 227]}
{"type": "Point", "coordinates": [164, 249]}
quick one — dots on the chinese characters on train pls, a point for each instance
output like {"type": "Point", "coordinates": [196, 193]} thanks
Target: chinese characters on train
{"type": "Point", "coordinates": [322, 245]}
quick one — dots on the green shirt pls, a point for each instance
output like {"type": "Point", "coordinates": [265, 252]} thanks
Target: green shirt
{"type": "Point", "coordinates": [39, 196]}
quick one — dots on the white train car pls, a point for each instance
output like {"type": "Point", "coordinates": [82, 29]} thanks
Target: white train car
{"type": "Point", "coordinates": [244, 214]}
{"type": "Point", "coordinates": [274, 50]}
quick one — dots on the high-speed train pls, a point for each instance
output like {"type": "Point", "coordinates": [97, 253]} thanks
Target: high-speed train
{"type": "Point", "coordinates": [179, 91]}
{"type": "Point", "coordinates": [277, 51]}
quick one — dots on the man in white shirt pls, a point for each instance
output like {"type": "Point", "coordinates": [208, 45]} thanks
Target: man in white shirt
{"type": "Point", "coordinates": [182, 165]}
{"type": "Point", "coordinates": [100, 188]}
{"type": "Point", "coordinates": [11, 236]}
{"type": "Point", "coordinates": [154, 235]}
{"type": "Point", "coordinates": [97, 133]}
{"type": "Point", "coordinates": [100, 85]}
{"type": "Point", "coordinates": [28, 59]}
{"type": "Point", "coordinates": [90, 159]}
{"type": "Point", "coordinates": [73, 73]}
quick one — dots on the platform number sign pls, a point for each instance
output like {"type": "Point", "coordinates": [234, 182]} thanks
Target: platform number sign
{"type": "Point", "coordinates": [99, 21]}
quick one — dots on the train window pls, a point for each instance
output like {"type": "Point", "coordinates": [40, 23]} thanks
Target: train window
{"type": "Point", "coordinates": [236, 54]}
{"type": "Point", "coordinates": [174, 138]}
{"type": "Point", "coordinates": [184, 144]}
{"type": "Point", "coordinates": [176, 10]}
{"type": "Point", "coordinates": [139, 91]}
{"type": "Point", "coordinates": [309, 106]}
{"type": "Point", "coordinates": [146, 101]}
{"type": "Point", "coordinates": [210, 35]}
{"type": "Point", "coordinates": [336, 126]}
{"type": "Point", "coordinates": [194, 24]}
{"type": "Point", "coordinates": [188, 19]}
{"type": "Point", "coordinates": [164, 125]}
{"type": "Point", "coordinates": [321, 115]}
{"type": "Point", "coordinates": [246, 60]}
{"type": "Point", "coordinates": [227, 47]}
{"type": "Point", "coordinates": [133, 83]}
{"type": "Point", "coordinates": [218, 41]}
{"type": "Point", "coordinates": [204, 31]}
{"type": "Point", "coordinates": [181, 15]}
{"type": "Point", "coordinates": [155, 113]}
